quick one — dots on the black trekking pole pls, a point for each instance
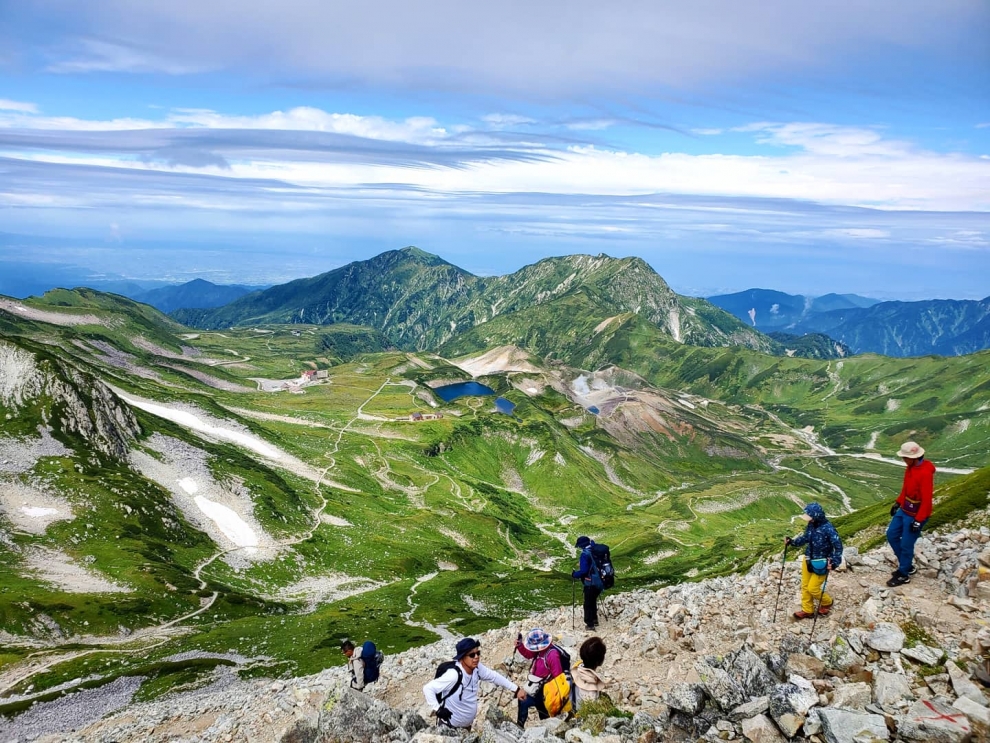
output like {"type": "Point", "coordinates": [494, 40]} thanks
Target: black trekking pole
{"type": "Point", "coordinates": [601, 605]}
{"type": "Point", "coordinates": [780, 583]}
{"type": "Point", "coordinates": [814, 621]}
{"type": "Point", "coordinates": [573, 590]}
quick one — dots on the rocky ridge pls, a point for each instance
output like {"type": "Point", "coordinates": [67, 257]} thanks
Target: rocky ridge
{"type": "Point", "coordinates": [695, 661]}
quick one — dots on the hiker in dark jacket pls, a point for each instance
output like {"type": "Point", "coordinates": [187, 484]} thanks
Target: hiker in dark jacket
{"type": "Point", "coordinates": [822, 554]}
{"type": "Point", "coordinates": [585, 573]}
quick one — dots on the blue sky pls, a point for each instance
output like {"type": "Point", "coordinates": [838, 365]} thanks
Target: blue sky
{"type": "Point", "coordinates": [810, 148]}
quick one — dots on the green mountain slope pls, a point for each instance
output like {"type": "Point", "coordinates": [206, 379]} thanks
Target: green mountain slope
{"type": "Point", "coordinates": [419, 301]}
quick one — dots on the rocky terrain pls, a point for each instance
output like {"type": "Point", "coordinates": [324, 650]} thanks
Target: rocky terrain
{"type": "Point", "coordinates": [696, 661]}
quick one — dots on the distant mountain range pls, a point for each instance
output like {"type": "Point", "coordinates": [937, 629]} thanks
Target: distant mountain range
{"type": "Point", "coordinates": [946, 327]}
{"type": "Point", "coordinates": [195, 294]}
{"type": "Point", "coordinates": [419, 301]}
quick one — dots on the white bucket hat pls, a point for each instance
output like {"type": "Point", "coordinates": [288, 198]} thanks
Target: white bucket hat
{"type": "Point", "coordinates": [910, 450]}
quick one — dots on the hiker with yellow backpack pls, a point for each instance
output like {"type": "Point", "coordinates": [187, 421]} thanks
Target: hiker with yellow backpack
{"type": "Point", "coordinates": [549, 662]}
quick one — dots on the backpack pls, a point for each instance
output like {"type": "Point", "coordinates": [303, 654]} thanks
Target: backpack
{"type": "Point", "coordinates": [565, 661]}
{"type": "Point", "coordinates": [559, 693]}
{"type": "Point", "coordinates": [441, 670]}
{"type": "Point", "coordinates": [373, 659]}
{"type": "Point", "coordinates": [603, 561]}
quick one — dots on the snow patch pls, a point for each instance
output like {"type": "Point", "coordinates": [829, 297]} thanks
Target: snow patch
{"type": "Point", "coordinates": [326, 518]}
{"type": "Point", "coordinates": [35, 512]}
{"type": "Point", "coordinates": [29, 509]}
{"type": "Point", "coordinates": [189, 485]}
{"type": "Point", "coordinates": [232, 525]}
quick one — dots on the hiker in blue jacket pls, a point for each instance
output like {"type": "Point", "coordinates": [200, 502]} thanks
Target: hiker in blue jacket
{"type": "Point", "coordinates": [586, 573]}
{"type": "Point", "coordinates": [822, 554]}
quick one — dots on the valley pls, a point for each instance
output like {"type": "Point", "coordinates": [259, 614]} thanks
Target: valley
{"type": "Point", "coordinates": [165, 517]}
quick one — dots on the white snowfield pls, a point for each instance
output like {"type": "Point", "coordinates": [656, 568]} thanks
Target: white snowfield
{"type": "Point", "coordinates": [194, 422]}
{"type": "Point", "coordinates": [232, 525]}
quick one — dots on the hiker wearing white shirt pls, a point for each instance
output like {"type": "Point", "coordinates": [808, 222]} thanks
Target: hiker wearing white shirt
{"type": "Point", "coordinates": [453, 694]}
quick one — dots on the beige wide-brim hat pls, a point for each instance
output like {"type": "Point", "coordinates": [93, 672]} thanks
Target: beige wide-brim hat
{"type": "Point", "coordinates": [910, 450]}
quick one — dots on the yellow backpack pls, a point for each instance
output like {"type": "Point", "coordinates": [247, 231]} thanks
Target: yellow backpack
{"type": "Point", "coordinates": [558, 694]}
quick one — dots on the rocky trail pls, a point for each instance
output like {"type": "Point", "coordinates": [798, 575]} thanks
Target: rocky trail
{"type": "Point", "coordinates": [695, 661]}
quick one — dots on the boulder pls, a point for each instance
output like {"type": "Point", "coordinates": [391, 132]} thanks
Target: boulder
{"type": "Point", "coordinates": [750, 672]}
{"type": "Point", "coordinates": [890, 688]}
{"type": "Point", "coordinates": [975, 712]}
{"type": "Point", "coordinates": [687, 698]}
{"type": "Point", "coordinates": [886, 638]}
{"type": "Point", "coordinates": [804, 666]}
{"type": "Point", "coordinates": [789, 703]}
{"type": "Point", "coordinates": [721, 687]}
{"type": "Point", "coordinates": [349, 716]}
{"type": "Point", "coordinates": [852, 696]}
{"type": "Point", "coordinates": [842, 726]}
{"type": "Point", "coordinates": [841, 655]}
{"type": "Point", "coordinates": [923, 654]}
{"type": "Point", "coordinates": [963, 686]}
{"type": "Point", "coordinates": [934, 722]}
{"type": "Point", "coordinates": [751, 708]}
{"type": "Point", "coordinates": [760, 729]}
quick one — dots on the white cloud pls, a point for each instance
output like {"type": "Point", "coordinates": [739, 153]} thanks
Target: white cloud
{"type": "Point", "coordinates": [21, 106]}
{"type": "Point", "coordinates": [862, 233]}
{"type": "Point", "coordinates": [524, 46]}
{"type": "Point", "coordinates": [706, 132]}
{"type": "Point", "coordinates": [506, 121]}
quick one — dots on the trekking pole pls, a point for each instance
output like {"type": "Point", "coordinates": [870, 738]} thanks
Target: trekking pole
{"type": "Point", "coordinates": [780, 583]}
{"type": "Point", "coordinates": [601, 605]}
{"type": "Point", "coordinates": [814, 621]}
{"type": "Point", "coordinates": [573, 590]}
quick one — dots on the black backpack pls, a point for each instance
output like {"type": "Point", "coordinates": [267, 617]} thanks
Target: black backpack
{"type": "Point", "coordinates": [373, 658]}
{"type": "Point", "coordinates": [565, 658]}
{"type": "Point", "coordinates": [441, 670]}
{"type": "Point", "coordinates": [603, 561]}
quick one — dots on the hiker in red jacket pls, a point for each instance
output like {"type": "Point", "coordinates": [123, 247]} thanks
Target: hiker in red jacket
{"type": "Point", "coordinates": [911, 511]}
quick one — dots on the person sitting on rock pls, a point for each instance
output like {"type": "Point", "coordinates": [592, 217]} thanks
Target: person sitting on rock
{"type": "Point", "coordinates": [911, 510]}
{"type": "Point", "coordinates": [538, 647]}
{"type": "Point", "coordinates": [588, 684]}
{"type": "Point", "coordinates": [453, 694]}
{"type": "Point", "coordinates": [822, 554]}
{"type": "Point", "coordinates": [355, 664]}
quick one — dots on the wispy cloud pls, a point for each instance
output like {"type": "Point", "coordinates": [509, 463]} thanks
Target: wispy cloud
{"type": "Point", "coordinates": [21, 106]}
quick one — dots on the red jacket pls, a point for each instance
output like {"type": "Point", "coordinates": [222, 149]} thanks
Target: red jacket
{"type": "Point", "coordinates": [916, 493]}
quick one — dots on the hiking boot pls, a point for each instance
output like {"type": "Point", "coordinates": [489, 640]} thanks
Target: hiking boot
{"type": "Point", "coordinates": [824, 610]}
{"type": "Point", "coordinates": [899, 579]}
{"type": "Point", "coordinates": [590, 627]}
{"type": "Point", "coordinates": [913, 570]}
{"type": "Point", "coordinates": [803, 614]}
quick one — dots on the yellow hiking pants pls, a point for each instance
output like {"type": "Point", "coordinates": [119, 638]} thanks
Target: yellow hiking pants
{"type": "Point", "coordinates": [811, 589]}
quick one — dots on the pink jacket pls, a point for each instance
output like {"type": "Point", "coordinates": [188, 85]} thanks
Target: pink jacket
{"type": "Point", "coordinates": [546, 663]}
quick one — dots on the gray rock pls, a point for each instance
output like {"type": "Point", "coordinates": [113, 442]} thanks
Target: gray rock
{"type": "Point", "coordinates": [750, 672]}
{"type": "Point", "coordinates": [975, 712]}
{"type": "Point", "coordinates": [751, 708]}
{"type": "Point", "coordinates": [720, 686]}
{"type": "Point", "coordinates": [760, 729]}
{"type": "Point", "coordinates": [804, 666]}
{"type": "Point", "coordinates": [886, 637]}
{"type": "Point", "coordinates": [932, 721]}
{"type": "Point", "coordinates": [813, 722]}
{"type": "Point", "coordinates": [923, 654]}
{"type": "Point", "coordinates": [852, 696]}
{"type": "Point", "coordinates": [890, 688]}
{"type": "Point", "coordinates": [789, 704]}
{"type": "Point", "coordinates": [348, 716]}
{"type": "Point", "coordinates": [962, 685]}
{"type": "Point", "coordinates": [841, 726]}
{"type": "Point", "coordinates": [687, 698]}
{"type": "Point", "coordinates": [841, 655]}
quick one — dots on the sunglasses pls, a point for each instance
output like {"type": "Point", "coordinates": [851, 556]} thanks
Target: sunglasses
{"type": "Point", "coordinates": [475, 654]}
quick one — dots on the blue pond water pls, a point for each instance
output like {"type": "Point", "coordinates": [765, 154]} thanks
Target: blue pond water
{"type": "Point", "coordinates": [451, 392]}
{"type": "Point", "coordinates": [462, 389]}
{"type": "Point", "coordinates": [504, 406]}
{"type": "Point", "coordinates": [593, 410]}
